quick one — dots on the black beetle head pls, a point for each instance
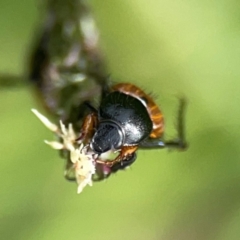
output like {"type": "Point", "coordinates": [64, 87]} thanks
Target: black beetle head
{"type": "Point", "coordinates": [108, 136]}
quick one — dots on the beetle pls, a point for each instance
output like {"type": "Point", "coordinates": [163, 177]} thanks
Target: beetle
{"type": "Point", "coordinates": [128, 119]}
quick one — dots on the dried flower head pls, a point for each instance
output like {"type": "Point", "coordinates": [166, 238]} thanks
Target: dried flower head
{"type": "Point", "coordinates": [82, 159]}
{"type": "Point", "coordinates": [84, 167]}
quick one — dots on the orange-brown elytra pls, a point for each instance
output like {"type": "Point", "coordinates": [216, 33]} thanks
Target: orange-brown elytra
{"type": "Point", "coordinates": [153, 110]}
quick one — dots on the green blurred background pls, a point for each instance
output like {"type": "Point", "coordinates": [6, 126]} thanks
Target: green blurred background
{"type": "Point", "coordinates": [171, 48]}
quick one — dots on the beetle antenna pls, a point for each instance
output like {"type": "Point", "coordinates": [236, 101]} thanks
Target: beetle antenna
{"type": "Point", "coordinates": [90, 106]}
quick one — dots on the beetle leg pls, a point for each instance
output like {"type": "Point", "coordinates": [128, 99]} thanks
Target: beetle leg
{"type": "Point", "coordinates": [124, 164]}
{"type": "Point", "coordinates": [89, 105]}
{"type": "Point", "coordinates": [9, 81]}
{"type": "Point", "coordinates": [125, 154]}
{"type": "Point", "coordinates": [180, 141]}
{"type": "Point", "coordinates": [116, 167]}
{"type": "Point", "coordinates": [88, 127]}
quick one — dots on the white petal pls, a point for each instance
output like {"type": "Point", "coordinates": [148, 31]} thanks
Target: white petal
{"type": "Point", "coordinates": [81, 149]}
{"type": "Point", "coordinates": [90, 183]}
{"type": "Point", "coordinates": [80, 188]}
{"type": "Point", "coordinates": [69, 146]}
{"type": "Point", "coordinates": [63, 128]}
{"type": "Point", "coordinates": [45, 121]}
{"type": "Point", "coordinates": [71, 132]}
{"type": "Point", "coordinates": [82, 183]}
{"type": "Point", "coordinates": [55, 145]}
{"type": "Point", "coordinates": [74, 156]}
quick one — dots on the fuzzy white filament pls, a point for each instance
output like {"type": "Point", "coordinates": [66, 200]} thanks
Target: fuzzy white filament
{"type": "Point", "coordinates": [51, 126]}
{"type": "Point", "coordinates": [83, 162]}
{"type": "Point", "coordinates": [84, 167]}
